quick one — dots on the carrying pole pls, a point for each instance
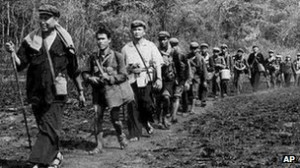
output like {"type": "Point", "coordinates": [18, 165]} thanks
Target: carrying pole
{"type": "Point", "coordinates": [13, 54]}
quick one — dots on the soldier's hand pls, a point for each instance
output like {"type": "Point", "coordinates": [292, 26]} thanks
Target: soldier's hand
{"type": "Point", "coordinates": [137, 70]}
{"type": "Point", "coordinates": [94, 80]}
{"type": "Point", "coordinates": [105, 76]}
{"type": "Point", "coordinates": [187, 86]}
{"type": "Point", "coordinates": [158, 84]}
{"type": "Point", "coordinates": [205, 84]}
{"type": "Point", "coordinates": [10, 47]}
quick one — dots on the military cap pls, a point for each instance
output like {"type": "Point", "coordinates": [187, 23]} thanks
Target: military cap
{"type": "Point", "coordinates": [204, 45]}
{"type": "Point", "coordinates": [278, 56]}
{"type": "Point", "coordinates": [240, 50]}
{"type": "Point", "coordinates": [194, 44]}
{"type": "Point", "coordinates": [49, 10]}
{"type": "Point", "coordinates": [216, 49]}
{"type": "Point", "coordinates": [255, 46]}
{"type": "Point", "coordinates": [163, 34]}
{"type": "Point", "coordinates": [174, 40]}
{"type": "Point", "coordinates": [224, 46]}
{"type": "Point", "coordinates": [288, 56]}
{"type": "Point", "coordinates": [298, 54]}
{"type": "Point", "coordinates": [271, 51]}
{"type": "Point", "coordinates": [138, 23]}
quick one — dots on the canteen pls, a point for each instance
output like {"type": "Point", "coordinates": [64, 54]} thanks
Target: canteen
{"type": "Point", "coordinates": [225, 74]}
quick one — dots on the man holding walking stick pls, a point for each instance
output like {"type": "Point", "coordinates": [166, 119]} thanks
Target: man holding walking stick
{"type": "Point", "coordinates": [50, 56]}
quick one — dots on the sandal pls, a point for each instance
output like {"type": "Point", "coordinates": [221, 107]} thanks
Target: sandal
{"type": "Point", "coordinates": [149, 129]}
{"type": "Point", "coordinates": [57, 162]}
{"type": "Point", "coordinates": [134, 139]}
{"type": "Point", "coordinates": [96, 151]}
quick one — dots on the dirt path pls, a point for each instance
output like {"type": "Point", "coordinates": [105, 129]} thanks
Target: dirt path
{"type": "Point", "coordinates": [137, 154]}
{"type": "Point", "coordinates": [251, 130]}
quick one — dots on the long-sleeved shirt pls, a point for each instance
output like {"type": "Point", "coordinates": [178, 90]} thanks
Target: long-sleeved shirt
{"type": "Point", "coordinates": [254, 59]}
{"type": "Point", "coordinates": [197, 67]}
{"type": "Point", "coordinates": [39, 84]}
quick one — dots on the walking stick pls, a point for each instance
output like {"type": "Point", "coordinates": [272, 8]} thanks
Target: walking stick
{"type": "Point", "coordinates": [20, 97]}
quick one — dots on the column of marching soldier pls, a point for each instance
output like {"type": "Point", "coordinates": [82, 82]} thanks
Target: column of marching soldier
{"type": "Point", "coordinates": [144, 77]}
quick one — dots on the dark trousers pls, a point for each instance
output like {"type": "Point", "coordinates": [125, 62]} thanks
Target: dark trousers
{"type": "Point", "coordinates": [49, 121]}
{"type": "Point", "coordinates": [185, 101]}
{"type": "Point", "coordinates": [203, 90]}
{"type": "Point", "coordinates": [255, 80]}
{"type": "Point", "coordinates": [133, 120]}
{"type": "Point", "coordinates": [287, 79]}
{"type": "Point", "coordinates": [144, 104]}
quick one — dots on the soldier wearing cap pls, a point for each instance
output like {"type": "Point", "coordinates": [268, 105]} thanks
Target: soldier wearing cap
{"type": "Point", "coordinates": [49, 44]}
{"type": "Point", "coordinates": [217, 63]}
{"type": "Point", "coordinates": [174, 77]}
{"type": "Point", "coordinates": [106, 86]}
{"type": "Point", "coordinates": [229, 65]}
{"type": "Point", "coordinates": [296, 68]}
{"type": "Point", "coordinates": [278, 74]}
{"type": "Point", "coordinates": [197, 75]}
{"type": "Point", "coordinates": [174, 42]}
{"type": "Point", "coordinates": [286, 69]}
{"type": "Point", "coordinates": [256, 62]}
{"type": "Point", "coordinates": [143, 61]}
{"type": "Point", "coordinates": [204, 90]}
{"type": "Point", "coordinates": [270, 69]}
{"type": "Point", "coordinates": [240, 68]}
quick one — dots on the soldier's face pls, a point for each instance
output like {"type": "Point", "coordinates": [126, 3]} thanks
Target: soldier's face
{"type": "Point", "coordinates": [223, 49]}
{"type": "Point", "coordinates": [194, 49]}
{"type": "Point", "coordinates": [298, 57]}
{"type": "Point", "coordinates": [271, 54]}
{"type": "Point", "coordinates": [163, 42]}
{"type": "Point", "coordinates": [102, 41]}
{"type": "Point", "coordinates": [255, 49]}
{"type": "Point", "coordinates": [204, 50]}
{"type": "Point", "coordinates": [47, 22]}
{"type": "Point", "coordinates": [138, 32]}
{"type": "Point", "coordinates": [239, 53]}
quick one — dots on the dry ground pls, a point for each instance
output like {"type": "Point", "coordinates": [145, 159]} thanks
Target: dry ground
{"type": "Point", "coordinates": [250, 130]}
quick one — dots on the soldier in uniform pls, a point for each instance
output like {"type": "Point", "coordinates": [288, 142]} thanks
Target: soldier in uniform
{"type": "Point", "coordinates": [229, 65]}
{"type": "Point", "coordinates": [197, 74]}
{"type": "Point", "coordinates": [287, 70]}
{"type": "Point", "coordinates": [204, 88]}
{"type": "Point", "coordinates": [240, 67]}
{"type": "Point", "coordinates": [106, 71]}
{"type": "Point", "coordinates": [173, 73]}
{"type": "Point", "coordinates": [143, 61]}
{"type": "Point", "coordinates": [278, 75]}
{"type": "Point", "coordinates": [270, 69]}
{"type": "Point", "coordinates": [49, 54]}
{"type": "Point", "coordinates": [256, 62]}
{"type": "Point", "coordinates": [296, 66]}
{"type": "Point", "coordinates": [217, 63]}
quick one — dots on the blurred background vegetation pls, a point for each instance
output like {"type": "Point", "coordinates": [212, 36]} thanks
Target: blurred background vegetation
{"type": "Point", "coordinates": [272, 24]}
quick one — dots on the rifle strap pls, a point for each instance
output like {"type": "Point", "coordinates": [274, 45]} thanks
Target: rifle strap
{"type": "Point", "coordinates": [147, 70]}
